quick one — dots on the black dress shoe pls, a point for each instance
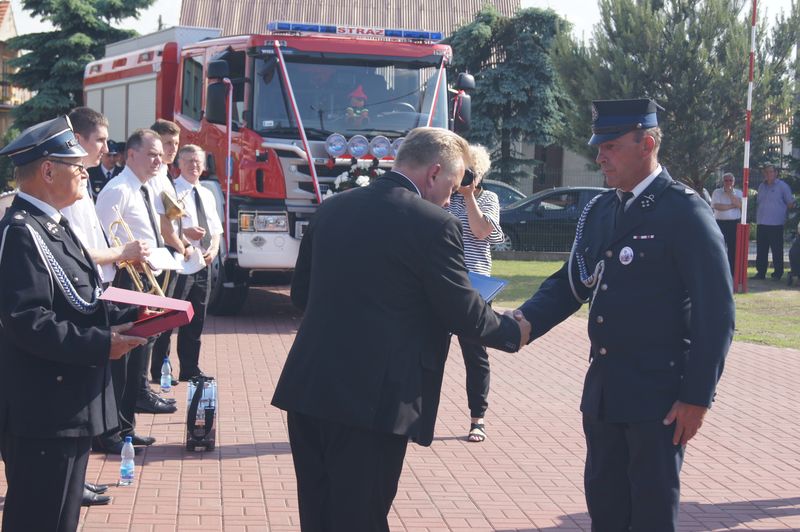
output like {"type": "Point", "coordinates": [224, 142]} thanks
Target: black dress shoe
{"type": "Point", "coordinates": [151, 404]}
{"type": "Point", "coordinates": [111, 448]}
{"type": "Point", "coordinates": [185, 378]}
{"type": "Point", "coordinates": [91, 498]}
{"type": "Point", "coordinates": [97, 488]}
{"type": "Point", "coordinates": [776, 276]}
{"type": "Point", "coordinates": [142, 440]}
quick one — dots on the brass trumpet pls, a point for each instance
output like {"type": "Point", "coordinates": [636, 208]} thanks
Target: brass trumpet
{"type": "Point", "coordinates": [128, 265]}
{"type": "Point", "coordinates": [173, 208]}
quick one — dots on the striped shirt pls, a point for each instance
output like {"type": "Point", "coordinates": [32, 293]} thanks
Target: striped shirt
{"type": "Point", "coordinates": [477, 253]}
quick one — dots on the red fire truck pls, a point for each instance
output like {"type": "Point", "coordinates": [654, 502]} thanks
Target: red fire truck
{"type": "Point", "coordinates": [272, 113]}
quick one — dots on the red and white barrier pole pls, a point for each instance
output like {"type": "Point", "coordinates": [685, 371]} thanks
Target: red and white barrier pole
{"type": "Point", "coordinates": [743, 230]}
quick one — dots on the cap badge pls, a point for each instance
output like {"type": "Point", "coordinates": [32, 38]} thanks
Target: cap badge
{"type": "Point", "coordinates": [626, 255]}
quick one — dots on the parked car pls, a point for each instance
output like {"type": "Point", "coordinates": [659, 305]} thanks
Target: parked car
{"type": "Point", "coordinates": [546, 220]}
{"type": "Point", "coordinates": [505, 192]}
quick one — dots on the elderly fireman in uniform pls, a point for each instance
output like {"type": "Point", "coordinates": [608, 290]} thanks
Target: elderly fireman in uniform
{"type": "Point", "coordinates": [56, 337]}
{"type": "Point", "coordinates": [647, 258]}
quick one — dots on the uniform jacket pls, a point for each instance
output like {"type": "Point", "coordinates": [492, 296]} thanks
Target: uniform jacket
{"type": "Point", "coordinates": [381, 277]}
{"type": "Point", "coordinates": [98, 178]}
{"type": "Point", "coordinates": [54, 373]}
{"type": "Point", "coordinates": [662, 317]}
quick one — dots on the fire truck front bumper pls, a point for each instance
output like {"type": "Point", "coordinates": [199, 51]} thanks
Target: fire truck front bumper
{"type": "Point", "coordinates": [267, 250]}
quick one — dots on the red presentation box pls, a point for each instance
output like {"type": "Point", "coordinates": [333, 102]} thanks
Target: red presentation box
{"type": "Point", "coordinates": [175, 311]}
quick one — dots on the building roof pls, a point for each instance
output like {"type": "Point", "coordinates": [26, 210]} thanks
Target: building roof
{"type": "Point", "coordinates": [8, 27]}
{"type": "Point", "coordinates": [252, 16]}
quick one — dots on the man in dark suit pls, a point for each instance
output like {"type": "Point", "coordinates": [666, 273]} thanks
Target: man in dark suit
{"type": "Point", "coordinates": [103, 173]}
{"type": "Point", "coordinates": [651, 261]}
{"type": "Point", "coordinates": [382, 280]}
{"type": "Point", "coordinates": [56, 337]}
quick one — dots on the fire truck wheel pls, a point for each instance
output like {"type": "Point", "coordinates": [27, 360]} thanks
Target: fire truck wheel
{"type": "Point", "coordinates": [224, 300]}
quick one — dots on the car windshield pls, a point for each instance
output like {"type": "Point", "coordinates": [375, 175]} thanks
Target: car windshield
{"type": "Point", "coordinates": [350, 95]}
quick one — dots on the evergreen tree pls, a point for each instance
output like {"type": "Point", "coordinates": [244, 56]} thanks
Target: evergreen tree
{"type": "Point", "coordinates": [517, 93]}
{"type": "Point", "coordinates": [53, 62]}
{"type": "Point", "coordinates": [692, 57]}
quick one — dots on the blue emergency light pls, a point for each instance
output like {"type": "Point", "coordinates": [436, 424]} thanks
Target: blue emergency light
{"type": "Point", "coordinates": [357, 31]}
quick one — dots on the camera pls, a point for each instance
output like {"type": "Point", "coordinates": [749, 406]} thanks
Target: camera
{"type": "Point", "coordinates": [469, 177]}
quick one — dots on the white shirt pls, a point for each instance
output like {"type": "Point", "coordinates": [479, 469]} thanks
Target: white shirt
{"type": "Point", "coordinates": [159, 184]}
{"type": "Point", "coordinates": [719, 197]}
{"type": "Point", "coordinates": [46, 208]}
{"type": "Point", "coordinates": [84, 221]}
{"type": "Point", "coordinates": [123, 192]}
{"type": "Point", "coordinates": [642, 186]}
{"type": "Point", "coordinates": [184, 190]}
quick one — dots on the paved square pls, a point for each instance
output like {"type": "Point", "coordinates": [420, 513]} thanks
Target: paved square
{"type": "Point", "coordinates": [741, 473]}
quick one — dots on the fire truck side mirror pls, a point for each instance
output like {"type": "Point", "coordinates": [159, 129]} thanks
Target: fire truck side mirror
{"type": "Point", "coordinates": [216, 92]}
{"type": "Point", "coordinates": [465, 82]}
{"type": "Point", "coordinates": [462, 113]}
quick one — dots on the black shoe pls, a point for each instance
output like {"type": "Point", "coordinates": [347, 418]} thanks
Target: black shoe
{"type": "Point", "coordinates": [91, 498]}
{"type": "Point", "coordinates": [776, 276]}
{"type": "Point", "coordinates": [758, 277]}
{"type": "Point", "coordinates": [152, 404]}
{"type": "Point", "coordinates": [111, 447]}
{"type": "Point", "coordinates": [185, 378]}
{"type": "Point", "coordinates": [157, 380]}
{"type": "Point", "coordinates": [96, 488]}
{"type": "Point", "coordinates": [142, 440]}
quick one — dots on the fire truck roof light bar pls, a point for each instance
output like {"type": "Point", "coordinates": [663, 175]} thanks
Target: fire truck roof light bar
{"type": "Point", "coordinates": [411, 35]}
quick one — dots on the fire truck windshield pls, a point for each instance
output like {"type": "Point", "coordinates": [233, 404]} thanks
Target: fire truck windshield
{"type": "Point", "coordinates": [348, 95]}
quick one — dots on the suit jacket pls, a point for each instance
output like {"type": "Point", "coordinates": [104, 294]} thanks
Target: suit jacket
{"type": "Point", "coordinates": [54, 365]}
{"type": "Point", "coordinates": [98, 178]}
{"type": "Point", "coordinates": [662, 317]}
{"type": "Point", "coordinates": [381, 277]}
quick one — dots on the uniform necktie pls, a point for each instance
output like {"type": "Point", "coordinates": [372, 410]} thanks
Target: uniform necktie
{"type": "Point", "coordinates": [149, 207]}
{"type": "Point", "coordinates": [109, 175]}
{"type": "Point", "coordinates": [202, 220]}
{"type": "Point", "coordinates": [621, 207]}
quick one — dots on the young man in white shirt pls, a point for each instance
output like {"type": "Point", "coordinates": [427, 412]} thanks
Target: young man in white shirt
{"type": "Point", "coordinates": [202, 220]}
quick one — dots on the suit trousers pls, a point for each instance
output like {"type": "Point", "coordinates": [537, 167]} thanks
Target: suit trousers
{"type": "Point", "coordinates": [161, 347]}
{"type": "Point", "coordinates": [194, 289]}
{"type": "Point", "coordinates": [45, 479]}
{"type": "Point", "coordinates": [476, 365]}
{"type": "Point", "coordinates": [632, 476]}
{"type": "Point", "coordinates": [769, 238]}
{"type": "Point", "coordinates": [728, 229]}
{"type": "Point", "coordinates": [346, 477]}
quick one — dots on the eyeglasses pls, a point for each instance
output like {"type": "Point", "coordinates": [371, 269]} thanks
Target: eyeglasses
{"type": "Point", "coordinates": [82, 169]}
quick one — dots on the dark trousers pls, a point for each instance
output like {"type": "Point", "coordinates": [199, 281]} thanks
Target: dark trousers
{"type": "Point", "coordinates": [728, 228]}
{"type": "Point", "coordinates": [192, 288]}
{"type": "Point", "coordinates": [632, 476]}
{"type": "Point", "coordinates": [346, 477]}
{"type": "Point", "coordinates": [45, 482]}
{"type": "Point", "coordinates": [476, 364]}
{"type": "Point", "coordinates": [769, 238]}
{"type": "Point", "coordinates": [161, 347]}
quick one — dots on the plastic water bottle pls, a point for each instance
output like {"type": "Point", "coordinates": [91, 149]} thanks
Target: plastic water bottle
{"type": "Point", "coordinates": [166, 376]}
{"type": "Point", "coordinates": [126, 466]}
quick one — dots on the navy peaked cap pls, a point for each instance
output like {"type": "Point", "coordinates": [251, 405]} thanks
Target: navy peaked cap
{"type": "Point", "coordinates": [53, 138]}
{"type": "Point", "coordinates": [614, 118]}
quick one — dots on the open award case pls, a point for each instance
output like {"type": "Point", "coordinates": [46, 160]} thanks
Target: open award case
{"type": "Point", "coordinates": [173, 312]}
{"type": "Point", "coordinates": [487, 286]}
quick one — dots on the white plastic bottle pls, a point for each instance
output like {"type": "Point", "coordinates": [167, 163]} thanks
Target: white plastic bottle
{"type": "Point", "coordinates": [166, 376]}
{"type": "Point", "coordinates": [126, 466]}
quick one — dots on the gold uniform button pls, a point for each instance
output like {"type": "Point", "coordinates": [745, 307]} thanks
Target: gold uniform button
{"type": "Point", "coordinates": [604, 287]}
{"type": "Point", "coordinates": [671, 363]}
{"type": "Point", "coordinates": [609, 253]}
{"type": "Point", "coordinates": [602, 351]}
{"type": "Point", "coordinates": [59, 378]}
{"type": "Point", "coordinates": [600, 319]}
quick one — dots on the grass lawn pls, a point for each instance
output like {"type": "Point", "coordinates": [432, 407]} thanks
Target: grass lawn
{"type": "Point", "coordinates": [768, 314]}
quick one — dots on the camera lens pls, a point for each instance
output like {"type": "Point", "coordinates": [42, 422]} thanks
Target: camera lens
{"type": "Point", "coordinates": [469, 177]}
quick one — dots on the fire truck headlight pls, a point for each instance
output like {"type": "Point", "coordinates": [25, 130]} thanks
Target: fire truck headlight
{"type": "Point", "coordinates": [246, 221]}
{"type": "Point", "coordinates": [380, 147]}
{"type": "Point", "coordinates": [271, 223]}
{"type": "Point", "coordinates": [336, 145]}
{"type": "Point", "coordinates": [358, 146]}
{"type": "Point", "coordinates": [396, 145]}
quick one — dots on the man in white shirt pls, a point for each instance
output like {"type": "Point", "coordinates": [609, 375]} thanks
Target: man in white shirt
{"type": "Point", "coordinates": [202, 217]}
{"type": "Point", "coordinates": [91, 131]}
{"type": "Point", "coordinates": [126, 195]}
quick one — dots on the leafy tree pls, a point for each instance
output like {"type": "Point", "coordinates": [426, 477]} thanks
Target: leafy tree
{"type": "Point", "coordinates": [517, 92]}
{"type": "Point", "coordinates": [52, 63]}
{"type": "Point", "coordinates": [692, 57]}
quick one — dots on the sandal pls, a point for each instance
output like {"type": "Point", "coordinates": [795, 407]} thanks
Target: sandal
{"type": "Point", "coordinates": [477, 432]}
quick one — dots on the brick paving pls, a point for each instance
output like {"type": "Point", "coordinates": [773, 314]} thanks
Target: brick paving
{"type": "Point", "coordinates": [741, 473]}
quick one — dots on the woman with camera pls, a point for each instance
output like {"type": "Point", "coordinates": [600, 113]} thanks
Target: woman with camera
{"type": "Point", "coordinates": [479, 213]}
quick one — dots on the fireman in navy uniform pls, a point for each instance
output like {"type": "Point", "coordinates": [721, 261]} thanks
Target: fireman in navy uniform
{"type": "Point", "coordinates": [56, 337]}
{"type": "Point", "coordinates": [651, 262]}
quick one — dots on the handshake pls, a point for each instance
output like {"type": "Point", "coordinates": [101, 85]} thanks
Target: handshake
{"type": "Point", "coordinates": [524, 326]}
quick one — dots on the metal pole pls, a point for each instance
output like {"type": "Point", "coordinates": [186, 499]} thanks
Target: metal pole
{"type": "Point", "coordinates": [743, 230]}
